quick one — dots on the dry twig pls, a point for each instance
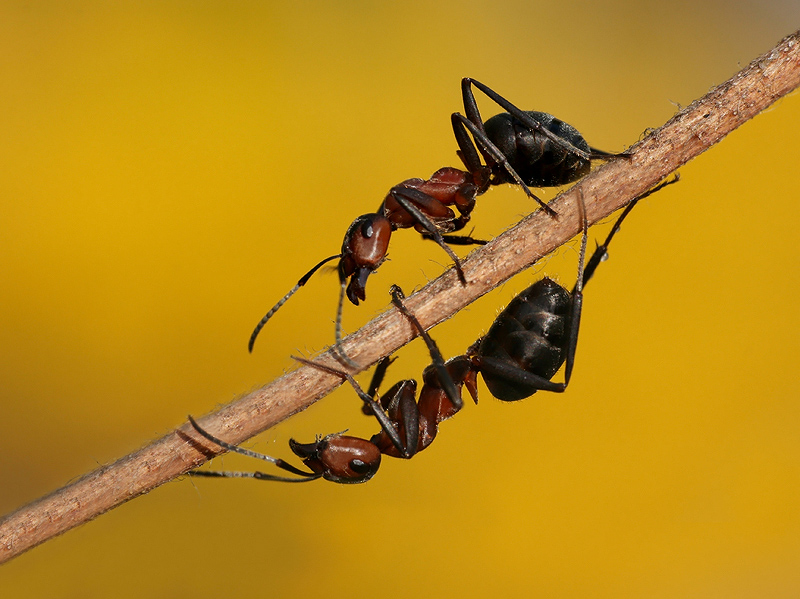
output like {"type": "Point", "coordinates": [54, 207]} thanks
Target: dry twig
{"type": "Point", "coordinates": [686, 135]}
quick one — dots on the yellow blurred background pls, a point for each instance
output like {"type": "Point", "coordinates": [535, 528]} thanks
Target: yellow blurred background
{"type": "Point", "coordinates": [170, 169]}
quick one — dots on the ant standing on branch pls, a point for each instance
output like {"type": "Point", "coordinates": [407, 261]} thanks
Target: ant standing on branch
{"type": "Point", "coordinates": [526, 148]}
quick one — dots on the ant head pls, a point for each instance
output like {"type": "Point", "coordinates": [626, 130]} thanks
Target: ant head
{"type": "Point", "coordinates": [363, 250]}
{"type": "Point", "coordinates": [340, 458]}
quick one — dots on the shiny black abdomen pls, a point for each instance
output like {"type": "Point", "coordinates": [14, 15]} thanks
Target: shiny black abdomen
{"type": "Point", "coordinates": [539, 161]}
{"type": "Point", "coordinates": [532, 334]}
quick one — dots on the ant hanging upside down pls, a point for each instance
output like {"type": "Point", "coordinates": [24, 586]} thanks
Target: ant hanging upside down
{"type": "Point", "coordinates": [526, 345]}
{"type": "Point", "coordinates": [526, 148]}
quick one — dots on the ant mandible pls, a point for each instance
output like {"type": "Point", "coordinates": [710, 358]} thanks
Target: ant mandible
{"type": "Point", "coordinates": [522, 147]}
{"type": "Point", "coordinates": [526, 345]}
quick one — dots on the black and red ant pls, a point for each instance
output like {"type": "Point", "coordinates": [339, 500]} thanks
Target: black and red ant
{"type": "Point", "coordinates": [407, 426]}
{"type": "Point", "coordinates": [521, 147]}
{"type": "Point", "coordinates": [527, 344]}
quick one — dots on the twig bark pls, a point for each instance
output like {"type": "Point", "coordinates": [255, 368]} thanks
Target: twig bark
{"type": "Point", "coordinates": [686, 135]}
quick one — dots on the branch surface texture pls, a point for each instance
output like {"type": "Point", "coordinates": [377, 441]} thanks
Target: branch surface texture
{"type": "Point", "coordinates": [605, 190]}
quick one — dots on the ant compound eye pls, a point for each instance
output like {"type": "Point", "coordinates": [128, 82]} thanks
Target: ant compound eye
{"type": "Point", "coordinates": [366, 229]}
{"type": "Point", "coordinates": [359, 467]}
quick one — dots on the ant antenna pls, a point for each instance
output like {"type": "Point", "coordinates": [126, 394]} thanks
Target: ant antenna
{"type": "Point", "coordinates": [374, 406]}
{"type": "Point", "coordinates": [303, 280]}
{"type": "Point", "coordinates": [577, 292]}
{"type": "Point", "coordinates": [283, 465]}
{"type": "Point", "coordinates": [585, 229]}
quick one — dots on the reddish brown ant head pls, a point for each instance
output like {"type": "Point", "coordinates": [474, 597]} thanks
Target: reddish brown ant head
{"type": "Point", "coordinates": [340, 458]}
{"type": "Point", "coordinates": [363, 250]}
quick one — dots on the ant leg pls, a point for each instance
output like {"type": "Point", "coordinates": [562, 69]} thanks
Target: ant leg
{"type": "Point", "coordinates": [407, 197]}
{"type": "Point", "coordinates": [467, 150]}
{"type": "Point", "coordinates": [584, 274]}
{"type": "Point", "coordinates": [463, 240]}
{"type": "Point", "coordinates": [378, 375]}
{"type": "Point", "coordinates": [307, 476]}
{"type": "Point", "coordinates": [401, 404]}
{"type": "Point", "coordinates": [436, 356]}
{"type": "Point", "coordinates": [458, 239]}
{"type": "Point", "coordinates": [460, 121]}
{"type": "Point", "coordinates": [375, 383]}
{"type": "Point", "coordinates": [516, 374]}
{"type": "Point", "coordinates": [384, 420]}
{"type": "Point", "coordinates": [520, 115]}
{"type": "Point", "coordinates": [595, 154]}
{"type": "Point", "coordinates": [303, 280]}
{"type": "Point", "coordinates": [601, 253]}
{"type": "Point", "coordinates": [338, 350]}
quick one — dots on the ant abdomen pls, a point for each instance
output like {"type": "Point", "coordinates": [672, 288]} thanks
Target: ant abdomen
{"type": "Point", "coordinates": [542, 308]}
{"type": "Point", "coordinates": [537, 159]}
{"type": "Point", "coordinates": [532, 334]}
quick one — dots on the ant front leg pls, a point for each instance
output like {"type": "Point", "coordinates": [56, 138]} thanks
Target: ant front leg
{"type": "Point", "coordinates": [377, 379]}
{"type": "Point", "coordinates": [436, 356]}
{"type": "Point", "coordinates": [401, 406]}
{"type": "Point", "coordinates": [371, 406]}
{"type": "Point", "coordinates": [411, 200]}
{"type": "Point", "coordinates": [459, 239]}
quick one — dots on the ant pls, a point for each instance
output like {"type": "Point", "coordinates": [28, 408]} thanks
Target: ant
{"type": "Point", "coordinates": [522, 147]}
{"type": "Point", "coordinates": [526, 345]}
{"type": "Point", "coordinates": [407, 426]}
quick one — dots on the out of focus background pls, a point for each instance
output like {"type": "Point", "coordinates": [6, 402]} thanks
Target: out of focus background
{"type": "Point", "coordinates": [170, 170]}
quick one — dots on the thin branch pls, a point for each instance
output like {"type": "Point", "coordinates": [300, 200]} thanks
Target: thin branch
{"type": "Point", "coordinates": [686, 135]}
